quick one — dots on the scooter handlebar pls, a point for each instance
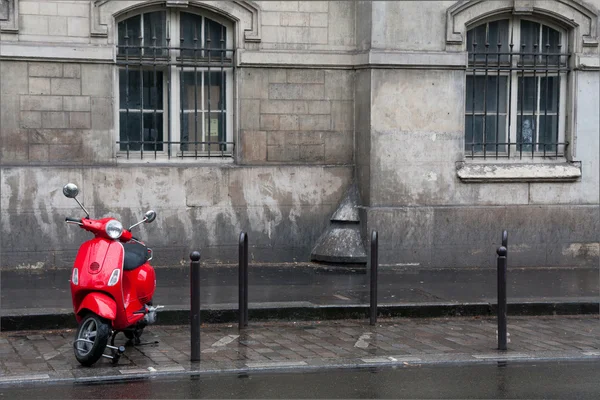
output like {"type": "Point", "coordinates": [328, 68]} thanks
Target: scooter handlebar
{"type": "Point", "coordinates": [73, 220]}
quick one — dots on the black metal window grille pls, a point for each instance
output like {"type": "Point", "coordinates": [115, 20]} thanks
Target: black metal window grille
{"type": "Point", "coordinates": [165, 88]}
{"type": "Point", "coordinates": [515, 90]}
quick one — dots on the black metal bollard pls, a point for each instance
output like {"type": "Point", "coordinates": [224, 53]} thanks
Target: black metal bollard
{"type": "Point", "coordinates": [243, 281]}
{"type": "Point", "coordinates": [374, 262]}
{"type": "Point", "coordinates": [502, 298]}
{"type": "Point", "coordinates": [195, 305]}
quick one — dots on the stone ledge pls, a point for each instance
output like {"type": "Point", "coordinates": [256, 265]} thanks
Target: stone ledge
{"type": "Point", "coordinates": [523, 172]}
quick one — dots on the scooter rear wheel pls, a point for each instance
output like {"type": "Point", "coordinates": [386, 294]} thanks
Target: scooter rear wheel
{"type": "Point", "coordinates": [91, 339]}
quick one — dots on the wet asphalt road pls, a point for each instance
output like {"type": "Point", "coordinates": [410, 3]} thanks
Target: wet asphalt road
{"type": "Point", "coordinates": [550, 380]}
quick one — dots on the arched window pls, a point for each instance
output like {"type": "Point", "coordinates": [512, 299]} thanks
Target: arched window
{"type": "Point", "coordinates": [516, 89]}
{"type": "Point", "coordinates": [175, 85]}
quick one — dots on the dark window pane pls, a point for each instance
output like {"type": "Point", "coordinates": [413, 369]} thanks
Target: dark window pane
{"type": "Point", "coordinates": [493, 33]}
{"type": "Point", "coordinates": [130, 130]}
{"type": "Point", "coordinates": [192, 90]}
{"type": "Point", "coordinates": [152, 89]}
{"type": "Point", "coordinates": [526, 101]}
{"type": "Point", "coordinates": [191, 25]}
{"type": "Point", "coordinates": [495, 94]}
{"type": "Point", "coordinates": [155, 24]}
{"type": "Point", "coordinates": [214, 86]}
{"type": "Point", "coordinates": [474, 133]}
{"type": "Point", "coordinates": [548, 133]}
{"type": "Point", "coordinates": [549, 94]}
{"type": "Point", "coordinates": [129, 35]}
{"type": "Point", "coordinates": [551, 43]}
{"type": "Point", "coordinates": [215, 36]}
{"type": "Point", "coordinates": [530, 41]}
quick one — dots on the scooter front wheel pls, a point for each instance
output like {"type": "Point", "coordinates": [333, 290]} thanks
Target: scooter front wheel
{"type": "Point", "coordinates": [91, 339]}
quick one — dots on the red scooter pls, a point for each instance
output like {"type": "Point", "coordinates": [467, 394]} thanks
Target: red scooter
{"type": "Point", "coordinates": [112, 285]}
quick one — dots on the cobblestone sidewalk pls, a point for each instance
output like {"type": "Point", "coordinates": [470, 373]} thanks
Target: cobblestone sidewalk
{"type": "Point", "coordinates": [48, 355]}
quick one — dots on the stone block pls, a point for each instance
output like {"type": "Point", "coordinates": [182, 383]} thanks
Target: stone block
{"type": "Point", "coordinates": [294, 19]}
{"type": "Point", "coordinates": [318, 35]}
{"type": "Point", "coordinates": [65, 153]}
{"type": "Point", "coordinates": [96, 80]}
{"type": "Point", "coordinates": [313, 6]}
{"type": "Point", "coordinates": [293, 91]}
{"type": "Point", "coordinates": [48, 8]}
{"type": "Point", "coordinates": [250, 114]}
{"type": "Point", "coordinates": [279, 6]}
{"type": "Point", "coordinates": [281, 138]}
{"type": "Point", "coordinates": [78, 26]}
{"type": "Point", "coordinates": [315, 123]}
{"type": "Point", "coordinates": [311, 138]}
{"type": "Point", "coordinates": [339, 147]}
{"type": "Point", "coordinates": [41, 103]}
{"type": "Point", "coordinates": [76, 103]}
{"type": "Point", "coordinates": [47, 69]}
{"type": "Point", "coordinates": [269, 122]}
{"type": "Point", "coordinates": [306, 76]}
{"type": "Point", "coordinates": [254, 83]}
{"type": "Point", "coordinates": [33, 24]}
{"type": "Point", "coordinates": [319, 107]}
{"type": "Point", "coordinates": [54, 136]}
{"type": "Point", "coordinates": [395, 90]}
{"type": "Point", "coordinates": [283, 107]}
{"type": "Point", "coordinates": [297, 34]}
{"type": "Point", "coordinates": [277, 76]}
{"type": "Point", "coordinates": [342, 115]}
{"type": "Point", "coordinates": [57, 26]}
{"type": "Point", "coordinates": [102, 113]}
{"type": "Point", "coordinates": [312, 152]}
{"type": "Point", "coordinates": [254, 146]}
{"type": "Point", "coordinates": [341, 23]}
{"type": "Point", "coordinates": [13, 142]}
{"type": "Point", "coordinates": [274, 34]}
{"type": "Point", "coordinates": [65, 86]}
{"type": "Point", "coordinates": [80, 120]}
{"type": "Point", "coordinates": [39, 85]}
{"type": "Point", "coordinates": [271, 18]}
{"type": "Point", "coordinates": [54, 120]}
{"type": "Point", "coordinates": [319, 20]}
{"type": "Point", "coordinates": [31, 119]}
{"type": "Point", "coordinates": [29, 7]}
{"type": "Point", "coordinates": [339, 85]}
{"type": "Point", "coordinates": [288, 122]}
{"type": "Point", "coordinates": [79, 9]}
{"type": "Point", "coordinates": [13, 78]}
{"type": "Point", "coordinates": [283, 153]}
{"type": "Point", "coordinates": [38, 152]}
{"type": "Point", "coordinates": [72, 71]}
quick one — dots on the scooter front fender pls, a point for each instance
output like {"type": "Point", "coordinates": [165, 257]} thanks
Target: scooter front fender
{"type": "Point", "coordinates": [100, 304]}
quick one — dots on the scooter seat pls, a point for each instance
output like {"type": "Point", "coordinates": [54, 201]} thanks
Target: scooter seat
{"type": "Point", "coordinates": [135, 256]}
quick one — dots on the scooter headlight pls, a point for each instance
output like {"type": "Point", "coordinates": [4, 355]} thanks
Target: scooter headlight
{"type": "Point", "coordinates": [114, 229]}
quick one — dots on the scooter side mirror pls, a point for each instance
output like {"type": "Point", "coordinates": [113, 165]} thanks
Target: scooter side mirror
{"type": "Point", "coordinates": [150, 216]}
{"type": "Point", "coordinates": [70, 190]}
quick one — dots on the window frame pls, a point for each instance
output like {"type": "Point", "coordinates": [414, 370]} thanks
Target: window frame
{"type": "Point", "coordinates": [171, 83]}
{"type": "Point", "coordinates": [564, 108]}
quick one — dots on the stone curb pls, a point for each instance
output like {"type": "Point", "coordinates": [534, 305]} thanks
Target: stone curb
{"type": "Point", "coordinates": [422, 310]}
{"type": "Point", "coordinates": [493, 357]}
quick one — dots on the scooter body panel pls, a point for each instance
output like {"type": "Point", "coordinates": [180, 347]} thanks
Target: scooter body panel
{"type": "Point", "coordinates": [100, 304]}
{"type": "Point", "coordinates": [96, 261]}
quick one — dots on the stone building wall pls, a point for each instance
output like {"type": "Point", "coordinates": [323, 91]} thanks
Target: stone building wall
{"type": "Point", "coordinates": [324, 94]}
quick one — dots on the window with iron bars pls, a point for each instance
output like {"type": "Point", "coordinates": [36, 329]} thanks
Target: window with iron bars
{"type": "Point", "coordinates": [175, 85]}
{"type": "Point", "coordinates": [516, 90]}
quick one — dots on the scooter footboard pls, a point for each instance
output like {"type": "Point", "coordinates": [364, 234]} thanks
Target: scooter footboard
{"type": "Point", "coordinates": [100, 304]}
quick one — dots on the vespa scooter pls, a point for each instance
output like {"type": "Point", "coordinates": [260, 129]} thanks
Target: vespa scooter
{"type": "Point", "coordinates": [112, 284]}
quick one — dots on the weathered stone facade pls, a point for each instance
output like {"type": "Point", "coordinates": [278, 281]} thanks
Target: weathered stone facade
{"type": "Point", "coordinates": [324, 93]}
